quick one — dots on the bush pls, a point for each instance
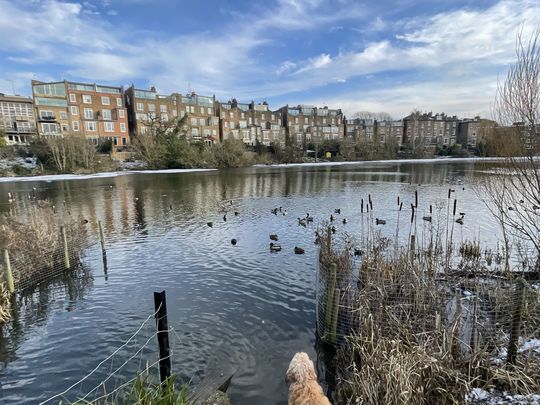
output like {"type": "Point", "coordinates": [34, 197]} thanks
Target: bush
{"type": "Point", "coordinates": [105, 146]}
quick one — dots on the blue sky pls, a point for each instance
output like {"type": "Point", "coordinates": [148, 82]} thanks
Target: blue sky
{"type": "Point", "coordinates": [392, 56]}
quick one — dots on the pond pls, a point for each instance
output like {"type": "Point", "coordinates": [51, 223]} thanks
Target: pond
{"type": "Point", "coordinates": [239, 308]}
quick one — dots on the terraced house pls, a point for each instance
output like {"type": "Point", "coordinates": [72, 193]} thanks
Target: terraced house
{"type": "Point", "coordinates": [267, 124]}
{"type": "Point", "coordinates": [17, 121]}
{"type": "Point", "coordinates": [233, 122]}
{"type": "Point", "coordinates": [430, 131]}
{"type": "Point", "coordinates": [81, 109]}
{"type": "Point", "coordinates": [305, 124]}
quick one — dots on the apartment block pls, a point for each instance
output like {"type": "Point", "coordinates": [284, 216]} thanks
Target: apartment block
{"type": "Point", "coordinates": [430, 130]}
{"type": "Point", "coordinates": [17, 120]}
{"type": "Point", "coordinates": [390, 132]}
{"type": "Point", "coordinates": [267, 124]}
{"type": "Point", "coordinates": [233, 122]}
{"type": "Point", "coordinates": [472, 131]}
{"type": "Point", "coordinates": [362, 130]}
{"type": "Point", "coordinates": [327, 124]}
{"type": "Point", "coordinates": [91, 110]}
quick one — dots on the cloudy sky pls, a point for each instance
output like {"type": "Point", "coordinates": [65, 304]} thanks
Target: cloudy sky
{"type": "Point", "coordinates": [384, 55]}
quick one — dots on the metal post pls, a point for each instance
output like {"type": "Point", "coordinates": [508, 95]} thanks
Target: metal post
{"type": "Point", "coordinates": [160, 304]}
{"type": "Point", "coordinates": [66, 251]}
{"type": "Point", "coordinates": [8, 275]}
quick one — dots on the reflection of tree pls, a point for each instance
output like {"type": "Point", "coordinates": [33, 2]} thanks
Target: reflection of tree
{"type": "Point", "coordinates": [32, 307]}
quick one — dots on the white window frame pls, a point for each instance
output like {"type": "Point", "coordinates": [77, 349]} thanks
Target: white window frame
{"type": "Point", "coordinates": [88, 113]}
{"type": "Point", "coordinates": [63, 115]}
{"type": "Point", "coordinates": [90, 126]}
{"type": "Point", "coordinates": [163, 108]}
{"type": "Point", "coordinates": [122, 127]}
{"type": "Point", "coordinates": [105, 100]}
{"type": "Point", "coordinates": [74, 110]}
{"type": "Point", "coordinates": [72, 97]}
{"type": "Point", "coordinates": [75, 126]}
{"type": "Point", "coordinates": [87, 99]}
{"type": "Point", "coordinates": [108, 126]}
{"type": "Point", "coordinates": [121, 113]}
{"type": "Point", "coordinates": [140, 107]}
{"type": "Point", "coordinates": [107, 112]}
{"type": "Point", "coordinates": [119, 102]}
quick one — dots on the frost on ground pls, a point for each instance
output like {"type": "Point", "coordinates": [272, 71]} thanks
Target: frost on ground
{"type": "Point", "coordinates": [492, 397]}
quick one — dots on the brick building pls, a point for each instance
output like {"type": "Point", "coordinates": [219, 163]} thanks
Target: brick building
{"type": "Point", "coordinates": [472, 131]}
{"type": "Point", "coordinates": [327, 124]}
{"type": "Point", "coordinates": [91, 110]}
{"type": "Point", "coordinates": [17, 120]}
{"type": "Point", "coordinates": [430, 131]}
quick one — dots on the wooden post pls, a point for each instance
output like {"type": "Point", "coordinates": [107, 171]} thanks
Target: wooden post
{"type": "Point", "coordinates": [8, 275]}
{"type": "Point", "coordinates": [160, 304]}
{"type": "Point", "coordinates": [66, 251]}
{"type": "Point", "coordinates": [335, 315]}
{"type": "Point", "coordinates": [412, 248]}
{"type": "Point", "coordinates": [330, 291]}
{"type": "Point", "coordinates": [474, 331]}
{"type": "Point", "coordinates": [103, 247]}
{"type": "Point", "coordinates": [519, 302]}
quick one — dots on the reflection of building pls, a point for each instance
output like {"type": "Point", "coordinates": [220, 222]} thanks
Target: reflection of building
{"type": "Point", "coordinates": [91, 110]}
{"type": "Point", "coordinates": [473, 131]}
{"type": "Point", "coordinates": [304, 124]}
{"type": "Point", "coordinates": [17, 119]}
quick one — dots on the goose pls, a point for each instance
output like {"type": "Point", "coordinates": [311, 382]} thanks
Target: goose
{"type": "Point", "coordinates": [302, 221]}
{"type": "Point", "coordinates": [233, 241]}
{"type": "Point", "coordinates": [236, 213]}
{"type": "Point", "coordinates": [308, 218]}
{"type": "Point", "coordinates": [274, 247]}
{"type": "Point", "coordinates": [274, 211]}
{"type": "Point", "coordinates": [210, 224]}
{"type": "Point", "coordinates": [510, 208]}
{"type": "Point", "coordinates": [333, 229]}
{"type": "Point", "coordinates": [460, 221]}
{"type": "Point", "coordinates": [380, 221]}
{"type": "Point", "coordinates": [428, 219]}
{"type": "Point", "coordinates": [284, 212]}
{"type": "Point", "coordinates": [462, 214]}
{"type": "Point", "coordinates": [337, 211]}
{"type": "Point", "coordinates": [332, 218]}
{"type": "Point", "coordinates": [225, 217]}
{"type": "Point", "coordinates": [344, 221]}
{"type": "Point", "coordinates": [357, 252]}
{"type": "Point", "coordinates": [535, 207]}
{"type": "Point", "coordinates": [280, 209]}
{"type": "Point", "coordinates": [298, 250]}
{"type": "Point", "coordinates": [274, 237]}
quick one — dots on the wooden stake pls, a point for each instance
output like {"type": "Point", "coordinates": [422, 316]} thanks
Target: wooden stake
{"type": "Point", "coordinates": [103, 247]}
{"type": "Point", "coordinates": [519, 302]}
{"type": "Point", "coordinates": [335, 315]}
{"type": "Point", "coordinates": [66, 251]}
{"type": "Point", "coordinates": [160, 303]}
{"type": "Point", "coordinates": [8, 275]}
{"type": "Point", "coordinates": [330, 289]}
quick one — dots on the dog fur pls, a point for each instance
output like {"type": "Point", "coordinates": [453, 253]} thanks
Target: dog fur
{"type": "Point", "coordinates": [304, 389]}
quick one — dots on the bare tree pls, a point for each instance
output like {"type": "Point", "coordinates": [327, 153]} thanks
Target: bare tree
{"type": "Point", "coordinates": [514, 198]}
{"type": "Point", "coordinates": [379, 116]}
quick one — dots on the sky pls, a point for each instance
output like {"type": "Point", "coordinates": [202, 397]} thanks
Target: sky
{"type": "Point", "coordinates": [391, 56]}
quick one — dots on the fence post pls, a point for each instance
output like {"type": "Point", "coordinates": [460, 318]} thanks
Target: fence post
{"type": "Point", "coordinates": [519, 302]}
{"type": "Point", "coordinates": [66, 251]}
{"type": "Point", "coordinates": [330, 291]}
{"type": "Point", "coordinates": [160, 304]}
{"type": "Point", "coordinates": [103, 247]}
{"type": "Point", "coordinates": [474, 331]}
{"type": "Point", "coordinates": [335, 315]}
{"type": "Point", "coordinates": [8, 275]}
{"type": "Point", "coordinates": [412, 248]}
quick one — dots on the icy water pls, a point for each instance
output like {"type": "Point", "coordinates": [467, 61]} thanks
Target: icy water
{"type": "Point", "coordinates": [231, 308]}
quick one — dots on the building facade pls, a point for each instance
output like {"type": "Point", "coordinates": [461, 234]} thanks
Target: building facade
{"type": "Point", "coordinates": [305, 124]}
{"type": "Point", "coordinates": [94, 111]}
{"type": "Point", "coordinates": [429, 131]}
{"type": "Point", "coordinates": [267, 124]}
{"type": "Point", "coordinates": [473, 131]}
{"type": "Point", "coordinates": [17, 120]}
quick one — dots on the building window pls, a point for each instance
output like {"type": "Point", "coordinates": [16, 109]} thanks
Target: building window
{"type": "Point", "coordinates": [140, 107]}
{"type": "Point", "coordinates": [119, 102]}
{"type": "Point", "coordinates": [163, 108]}
{"type": "Point", "coordinates": [164, 117]}
{"type": "Point", "coordinates": [87, 99]}
{"type": "Point", "coordinates": [46, 114]}
{"type": "Point", "coordinates": [174, 113]}
{"type": "Point", "coordinates": [106, 114]}
{"type": "Point", "coordinates": [209, 111]}
{"type": "Point", "coordinates": [226, 124]}
{"type": "Point", "coordinates": [88, 113]}
{"type": "Point", "coordinates": [90, 126]}
{"type": "Point", "coordinates": [151, 107]}
{"type": "Point", "coordinates": [73, 97]}
{"type": "Point", "coordinates": [202, 121]}
{"type": "Point", "coordinates": [75, 125]}
{"type": "Point", "coordinates": [194, 121]}
{"type": "Point", "coordinates": [122, 127]}
{"type": "Point", "coordinates": [195, 133]}
{"type": "Point", "coordinates": [109, 126]}
{"type": "Point", "coordinates": [124, 141]}
{"type": "Point", "coordinates": [74, 110]}
{"type": "Point", "coordinates": [121, 113]}
{"type": "Point", "coordinates": [49, 128]}
{"type": "Point", "coordinates": [231, 115]}
{"type": "Point", "coordinates": [105, 100]}
{"type": "Point", "coordinates": [63, 115]}
{"type": "Point", "coordinates": [65, 127]}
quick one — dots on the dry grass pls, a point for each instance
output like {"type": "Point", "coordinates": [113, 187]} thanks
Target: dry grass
{"type": "Point", "coordinates": [5, 303]}
{"type": "Point", "coordinates": [35, 246]}
{"type": "Point", "coordinates": [425, 336]}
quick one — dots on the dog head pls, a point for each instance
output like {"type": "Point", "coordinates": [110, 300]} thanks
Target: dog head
{"type": "Point", "coordinates": [301, 369]}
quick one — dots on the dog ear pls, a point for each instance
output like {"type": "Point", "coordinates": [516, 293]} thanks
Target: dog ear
{"type": "Point", "coordinates": [290, 376]}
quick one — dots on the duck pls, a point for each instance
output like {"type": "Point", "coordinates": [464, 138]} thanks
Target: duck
{"type": "Point", "coordinates": [308, 218]}
{"type": "Point", "coordinates": [333, 229]}
{"type": "Point", "coordinates": [233, 242]}
{"type": "Point", "coordinates": [225, 218]}
{"type": "Point", "coordinates": [236, 213]}
{"type": "Point", "coordinates": [84, 221]}
{"type": "Point", "coordinates": [274, 237]}
{"type": "Point", "coordinates": [284, 212]}
{"type": "Point", "coordinates": [280, 209]}
{"type": "Point", "coordinates": [428, 219]}
{"type": "Point", "coordinates": [358, 252]}
{"type": "Point", "coordinates": [332, 218]}
{"type": "Point", "coordinates": [298, 250]}
{"type": "Point", "coordinates": [462, 214]}
{"type": "Point", "coordinates": [274, 211]}
{"type": "Point", "coordinates": [460, 221]}
{"type": "Point", "coordinates": [337, 211]}
{"type": "Point", "coordinates": [535, 207]}
{"type": "Point", "coordinates": [344, 221]}
{"type": "Point", "coordinates": [210, 224]}
{"type": "Point", "coordinates": [274, 247]}
{"type": "Point", "coordinates": [510, 208]}
{"type": "Point", "coordinates": [302, 221]}
{"type": "Point", "coordinates": [380, 221]}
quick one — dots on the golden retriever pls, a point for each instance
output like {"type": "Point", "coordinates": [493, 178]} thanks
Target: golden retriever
{"type": "Point", "coordinates": [304, 389]}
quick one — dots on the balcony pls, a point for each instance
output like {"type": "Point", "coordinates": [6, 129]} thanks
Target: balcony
{"type": "Point", "coordinates": [47, 118]}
